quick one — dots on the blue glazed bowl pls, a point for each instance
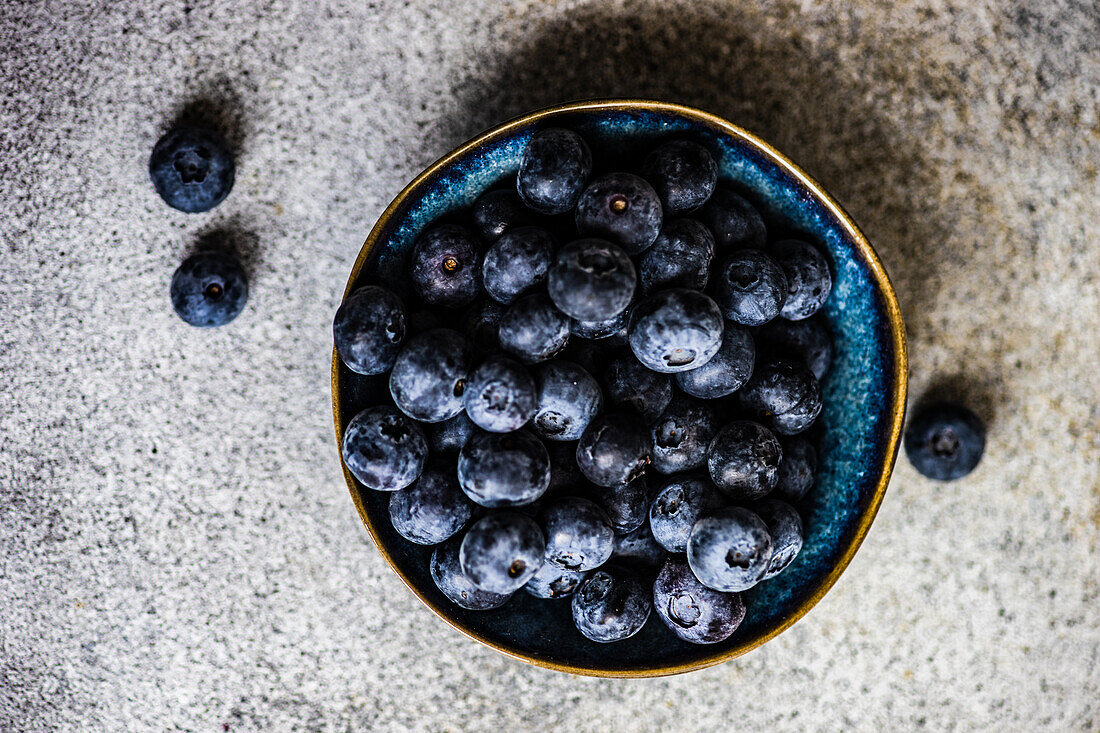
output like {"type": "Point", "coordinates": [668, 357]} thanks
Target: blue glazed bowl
{"type": "Point", "coordinates": [864, 392]}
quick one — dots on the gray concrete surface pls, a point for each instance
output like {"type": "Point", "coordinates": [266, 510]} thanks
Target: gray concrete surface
{"type": "Point", "coordinates": [177, 548]}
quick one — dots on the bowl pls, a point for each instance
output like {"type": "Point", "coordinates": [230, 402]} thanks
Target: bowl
{"type": "Point", "coordinates": [864, 393]}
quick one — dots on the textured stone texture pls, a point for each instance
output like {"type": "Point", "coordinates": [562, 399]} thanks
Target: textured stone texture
{"type": "Point", "coordinates": [178, 549]}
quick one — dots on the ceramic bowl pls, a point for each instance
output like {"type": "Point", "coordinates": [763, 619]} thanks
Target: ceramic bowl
{"type": "Point", "coordinates": [864, 392]}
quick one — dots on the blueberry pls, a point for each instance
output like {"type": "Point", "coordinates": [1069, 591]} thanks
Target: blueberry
{"type": "Point", "coordinates": [730, 550]}
{"type": "Point", "coordinates": [807, 341]}
{"type": "Point", "coordinates": [694, 612]}
{"type": "Point", "coordinates": [614, 449]}
{"type": "Point", "coordinates": [533, 330]}
{"type": "Point", "coordinates": [733, 221]}
{"type": "Point", "coordinates": [432, 509]}
{"type": "Point", "coordinates": [626, 505]}
{"type": "Point", "coordinates": [553, 582]}
{"type": "Point", "coordinates": [796, 470]}
{"type": "Point", "coordinates": [680, 258]}
{"type": "Point", "coordinates": [368, 330]}
{"type": "Point", "coordinates": [675, 330]}
{"type": "Point", "coordinates": [192, 169]}
{"type": "Point", "coordinates": [383, 449]}
{"type": "Point", "coordinates": [445, 266]}
{"type": "Point", "coordinates": [808, 280]}
{"type": "Point", "coordinates": [622, 208]}
{"type": "Point", "coordinates": [629, 384]}
{"type": "Point", "coordinates": [611, 604]}
{"type": "Point", "coordinates": [945, 441]}
{"type": "Point", "coordinates": [500, 470]}
{"type": "Point", "coordinates": [785, 527]}
{"type": "Point", "coordinates": [681, 434]}
{"type": "Point", "coordinates": [683, 173]}
{"type": "Point", "coordinates": [567, 398]}
{"type": "Point", "coordinates": [591, 280]}
{"type": "Point", "coordinates": [784, 393]}
{"type": "Point", "coordinates": [500, 395]}
{"type": "Point", "coordinates": [727, 371]}
{"type": "Point", "coordinates": [607, 328]}
{"type": "Point", "coordinates": [429, 376]}
{"type": "Point", "coordinates": [578, 536]}
{"type": "Point", "coordinates": [501, 551]}
{"type": "Point", "coordinates": [555, 166]}
{"type": "Point", "coordinates": [209, 289]}
{"type": "Point", "coordinates": [743, 460]}
{"type": "Point", "coordinates": [453, 583]}
{"type": "Point", "coordinates": [638, 549]}
{"type": "Point", "coordinates": [749, 287]}
{"type": "Point", "coordinates": [481, 324]}
{"type": "Point", "coordinates": [677, 507]}
{"type": "Point", "coordinates": [450, 435]}
{"type": "Point", "coordinates": [498, 211]}
{"type": "Point", "coordinates": [516, 263]}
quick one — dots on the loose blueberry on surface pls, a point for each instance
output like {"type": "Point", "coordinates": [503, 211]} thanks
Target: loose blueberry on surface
{"type": "Point", "coordinates": [808, 280]}
{"type": "Point", "coordinates": [445, 266]}
{"type": "Point", "coordinates": [734, 222]}
{"type": "Point", "coordinates": [680, 503]}
{"type": "Point", "coordinates": [675, 330]}
{"type": "Point", "coordinates": [679, 258]}
{"type": "Point", "coordinates": [785, 527]}
{"type": "Point", "coordinates": [567, 399]}
{"type": "Point", "coordinates": [503, 469]}
{"type": "Point", "coordinates": [683, 173]}
{"type": "Point", "coordinates": [383, 449]}
{"type": "Point", "coordinates": [611, 604]}
{"type": "Point", "coordinates": [607, 328]}
{"type": "Point", "coordinates": [638, 549]}
{"type": "Point", "coordinates": [481, 324]}
{"type": "Point", "coordinates": [516, 263]}
{"type": "Point", "coordinates": [432, 509]}
{"type": "Point", "coordinates": [622, 208]}
{"type": "Point", "coordinates": [533, 330]}
{"type": "Point", "coordinates": [749, 287]}
{"type": "Point", "coordinates": [730, 550]}
{"type": "Point", "coordinates": [591, 280]}
{"type": "Point", "coordinates": [693, 611]}
{"type": "Point", "coordinates": [626, 505]}
{"type": "Point", "coordinates": [743, 460]}
{"type": "Point", "coordinates": [368, 330]}
{"type": "Point", "coordinates": [807, 341]}
{"type": "Point", "coordinates": [450, 435]}
{"type": "Point", "coordinates": [453, 583]}
{"type": "Point", "coordinates": [578, 535]}
{"type": "Point", "coordinates": [209, 289]}
{"type": "Point", "coordinates": [553, 582]}
{"type": "Point", "coordinates": [498, 211]}
{"type": "Point", "coordinates": [192, 169]}
{"type": "Point", "coordinates": [613, 449]}
{"type": "Point", "coordinates": [429, 376]}
{"type": "Point", "coordinates": [555, 166]}
{"type": "Point", "coordinates": [501, 551]}
{"type": "Point", "coordinates": [796, 470]}
{"type": "Point", "coordinates": [500, 395]}
{"type": "Point", "coordinates": [784, 393]}
{"type": "Point", "coordinates": [727, 371]}
{"type": "Point", "coordinates": [631, 385]}
{"type": "Point", "coordinates": [681, 435]}
{"type": "Point", "coordinates": [945, 441]}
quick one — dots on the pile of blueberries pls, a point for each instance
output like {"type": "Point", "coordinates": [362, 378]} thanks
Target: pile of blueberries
{"type": "Point", "coordinates": [599, 389]}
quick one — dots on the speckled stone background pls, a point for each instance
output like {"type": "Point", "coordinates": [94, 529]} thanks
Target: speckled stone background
{"type": "Point", "coordinates": [177, 548]}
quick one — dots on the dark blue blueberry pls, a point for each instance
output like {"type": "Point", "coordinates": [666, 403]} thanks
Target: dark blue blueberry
{"type": "Point", "coordinates": [481, 324]}
{"type": "Point", "coordinates": [785, 527]}
{"type": "Point", "coordinates": [498, 211]}
{"type": "Point", "coordinates": [733, 221]}
{"type": "Point", "coordinates": [749, 287]}
{"type": "Point", "coordinates": [429, 376]}
{"type": "Point", "coordinates": [383, 449]}
{"type": "Point", "coordinates": [693, 611]}
{"type": "Point", "coordinates": [553, 582]}
{"type": "Point", "coordinates": [679, 504]}
{"type": "Point", "coordinates": [555, 166]}
{"type": "Point", "coordinates": [578, 536]}
{"type": "Point", "coordinates": [730, 550]}
{"type": "Point", "coordinates": [450, 435]}
{"type": "Point", "coordinates": [945, 441]}
{"type": "Point", "coordinates": [631, 385]}
{"type": "Point", "coordinates": [675, 330]}
{"type": "Point", "coordinates": [611, 604]}
{"type": "Point", "coordinates": [784, 393]}
{"type": "Point", "coordinates": [743, 460]}
{"type": "Point", "coordinates": [503, 469]}
{"type": "Point", "coordinates": [567, 399]}
{"type": "Point", "coordinates": [445, 266]}
{"type": "Point", "coordinates": [626, 505]}
{"type": "Point", "coordinates": [681, 435]}
{"type": "Point", "coordinates": [622, 208]}
{"type": "Point", "coordinates": [808, 280]}
{"type": "Point", "coordinates": [533, 330]}
{"type": "Point", "coordinates": [432, 509]}
{"type": "Point", "coordinates": [500, 395]}
{"type": "Point", "coordinates": [449, 578]}
{"type": "Point", "coordinates": [516, 263]}
{"type": "Point", "coordinates": [683, 173]}
{"type": "Point", "coordinates": [638, 549]}
{"type": "Point", "coordinates": [591, 280]}
{"type": "Point", "coordinates": [796, 470]}
{"type": "Point", "coordinates": [192, 169]}
{"type": "Point", "coordinates": [680, 258]}
{"type": "Point", "coordinates": [807, 341]}
{"type": "Point", "coordinates": [610, 327]}
{"type": "Point", "coordinates": [614, 449]}
{"type": "Point", "coordinates": [727, 371]}
{"type": "Point", "coordinates": [501, 551]}
{"type": "Point", "coordinates": [209, 289]}
{"type": "Point", "coordinates": [368, 330]}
